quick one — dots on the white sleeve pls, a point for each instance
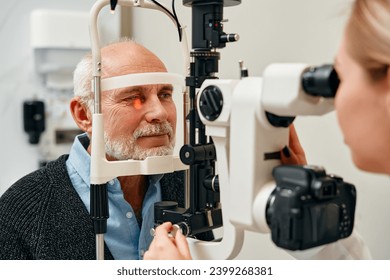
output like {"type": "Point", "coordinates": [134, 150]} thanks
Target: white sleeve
{"type": "Point", "coordinates": [350, 248]}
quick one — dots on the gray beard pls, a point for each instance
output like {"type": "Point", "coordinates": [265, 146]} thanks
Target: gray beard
{"type": "Point", "coordinates": [126, 148]}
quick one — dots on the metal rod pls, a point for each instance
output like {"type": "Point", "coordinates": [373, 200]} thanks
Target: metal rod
{"type": "Point", "coordinates": [100, 246]}
{"type": "Point", "coordinates": [186, 110]}
{"type": "Point", "coordinates": [97, 97]}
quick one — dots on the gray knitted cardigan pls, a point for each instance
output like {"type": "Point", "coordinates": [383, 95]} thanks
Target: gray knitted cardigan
{"type": "Point", "coordinates": [42, 216]}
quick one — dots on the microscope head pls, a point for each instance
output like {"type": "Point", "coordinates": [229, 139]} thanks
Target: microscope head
{"type": "Point", "coordinates": [293, 89]}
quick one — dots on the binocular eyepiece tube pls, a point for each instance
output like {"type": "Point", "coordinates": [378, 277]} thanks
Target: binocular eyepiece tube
{"type": "Point", "coordinates": [321, 81]}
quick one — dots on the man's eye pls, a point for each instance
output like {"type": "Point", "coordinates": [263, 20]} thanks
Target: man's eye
{"type": "Point", "coordinates": [165, 95]}
{"type": "Point", "coordinates": [133, 98]}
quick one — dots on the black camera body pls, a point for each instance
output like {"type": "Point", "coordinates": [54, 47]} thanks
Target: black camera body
{"type": "Point", "coordinates": [309, 208]}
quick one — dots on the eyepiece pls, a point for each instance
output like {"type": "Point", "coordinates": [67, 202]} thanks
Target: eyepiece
{"type": "Point", "coordinates": [321, 81]}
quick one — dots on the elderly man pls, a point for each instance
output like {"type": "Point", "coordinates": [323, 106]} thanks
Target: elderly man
{"type": "Point", "coordinates": [45, 214]}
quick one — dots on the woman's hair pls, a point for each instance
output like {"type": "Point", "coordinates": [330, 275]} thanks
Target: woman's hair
{"type": "Point", "coordinates": [368, 36]}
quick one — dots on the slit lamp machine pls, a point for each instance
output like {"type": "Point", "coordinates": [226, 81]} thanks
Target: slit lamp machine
{"type": "Point", "coordinates": [229, 122]}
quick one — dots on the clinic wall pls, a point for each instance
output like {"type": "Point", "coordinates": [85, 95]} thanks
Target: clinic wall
{"type": "Point", "coordinates": [18, 81]}
{"type": "Point", "coordinates": [271, 31]}
{"type": "Point", "coordinates": [307, 31]}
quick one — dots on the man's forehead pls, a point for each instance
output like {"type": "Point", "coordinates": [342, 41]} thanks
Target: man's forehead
{"type": "Point", "coordinates": [129, 58]}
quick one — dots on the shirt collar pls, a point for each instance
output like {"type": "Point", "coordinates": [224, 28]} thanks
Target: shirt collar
{"type": "Point", "coordinates": [80, 158]}
{"type": "Point", "coordinates": [154, 179]}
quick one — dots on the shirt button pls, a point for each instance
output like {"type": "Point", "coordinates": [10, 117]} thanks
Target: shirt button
{"type": "Point", "coordinates": [142, 253]}
{"type": "Point", "coordinates": [111, 182]}
{"type": "Point", "coordinates": [129, 215]}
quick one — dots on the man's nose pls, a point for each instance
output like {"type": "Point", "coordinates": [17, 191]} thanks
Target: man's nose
{"type": "Point", "coordinates": [156, 112]}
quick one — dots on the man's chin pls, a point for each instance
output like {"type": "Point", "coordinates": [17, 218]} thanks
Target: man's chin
{"type": "Point", "coordinates": [137, 152]}
{"type": "Point", "coordinates": [141, 154]}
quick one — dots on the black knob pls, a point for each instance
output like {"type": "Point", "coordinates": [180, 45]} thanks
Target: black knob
{"type": "Point", "coordinates": [211, 182]}
{"type": "Point", "coordinates": [211, 102]}
{"type": "Point", "coordinates": [321, 81]}
{"type": "Point", "coordinates": [196, 154]}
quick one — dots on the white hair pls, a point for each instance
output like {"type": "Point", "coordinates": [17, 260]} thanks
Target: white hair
{"type": "Point", "coordinates": [82, 77]}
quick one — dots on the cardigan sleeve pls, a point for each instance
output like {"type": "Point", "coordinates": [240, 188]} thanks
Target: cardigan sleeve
{"type": "Point", "coordinates": [20, 207]}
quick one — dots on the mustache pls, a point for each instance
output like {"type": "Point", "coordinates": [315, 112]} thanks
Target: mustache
{"type": "Point", "coordinates": [153, 130]}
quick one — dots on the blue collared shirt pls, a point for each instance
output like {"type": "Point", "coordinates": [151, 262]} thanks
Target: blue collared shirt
{"type": "Point", "coordinates": [124, 237]}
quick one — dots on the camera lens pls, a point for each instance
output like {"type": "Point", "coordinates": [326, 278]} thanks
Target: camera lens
{"type": "Point", "coordinates": [321, 81]}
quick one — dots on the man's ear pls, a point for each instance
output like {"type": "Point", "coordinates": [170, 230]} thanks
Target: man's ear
{"type": "Point", "coordinates": [81, 114]}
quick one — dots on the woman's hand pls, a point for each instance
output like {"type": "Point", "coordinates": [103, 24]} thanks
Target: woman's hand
{"type": "Point", "coordinates": [294, 153]}
{"type": "Point", "coordinates": [165, 247]}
